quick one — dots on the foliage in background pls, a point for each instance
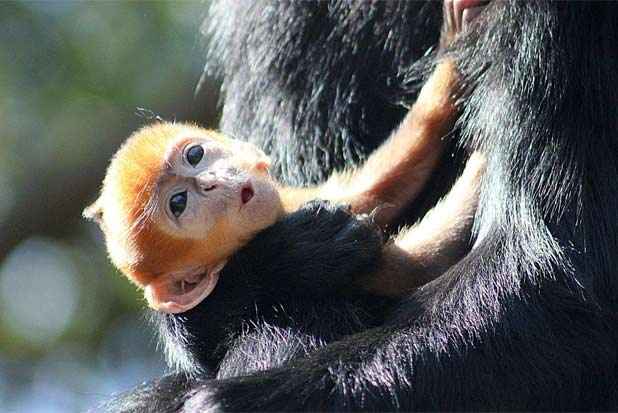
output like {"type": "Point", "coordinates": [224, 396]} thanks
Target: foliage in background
{"type": "Point", "coordinates": [71, 77]}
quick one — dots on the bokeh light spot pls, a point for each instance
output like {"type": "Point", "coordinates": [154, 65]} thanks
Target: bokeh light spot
{"type": "Point", "coordinates": [38, 290]}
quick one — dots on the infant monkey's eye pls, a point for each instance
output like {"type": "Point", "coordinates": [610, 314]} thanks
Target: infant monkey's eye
{"type": "Point", "coordinates": [195, 155]}
{"type": "Point", "coordinates": [178, 203]}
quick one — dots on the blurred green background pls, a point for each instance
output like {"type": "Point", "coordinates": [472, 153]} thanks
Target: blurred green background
{"type": "Point", "coordinates": [72, 75]}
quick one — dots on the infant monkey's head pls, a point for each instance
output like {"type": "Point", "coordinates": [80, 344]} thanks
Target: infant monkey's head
{"type": "Point", "coordinates": [176, 202]}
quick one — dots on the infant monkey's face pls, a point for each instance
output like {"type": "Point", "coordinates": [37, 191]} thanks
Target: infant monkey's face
{"type": "Point", "coordinates": [176, 202]}
{"type": "Point", "coordinates": [206, 182]}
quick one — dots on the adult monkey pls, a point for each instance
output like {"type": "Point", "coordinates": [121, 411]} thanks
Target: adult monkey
{"type": "Point", "coordinates": [527, 320]}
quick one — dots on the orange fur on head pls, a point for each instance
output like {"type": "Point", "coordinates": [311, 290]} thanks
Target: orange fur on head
{"type": "Point", "coordinates": [127, 215]}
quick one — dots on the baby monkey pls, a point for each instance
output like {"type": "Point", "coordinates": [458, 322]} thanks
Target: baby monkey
{"type": "Point", "coordinates": [179, 200]}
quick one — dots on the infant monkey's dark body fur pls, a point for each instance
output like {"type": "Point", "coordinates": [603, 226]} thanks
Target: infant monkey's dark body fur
{"type": "Point", "coordinates": [526, 321]}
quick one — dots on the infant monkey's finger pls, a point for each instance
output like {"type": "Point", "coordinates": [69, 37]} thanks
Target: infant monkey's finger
{"type": "Point", "coordinates": [457, 15]}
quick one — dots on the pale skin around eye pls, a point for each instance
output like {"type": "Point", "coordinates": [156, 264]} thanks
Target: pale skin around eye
{"type": "Point", "coordinates": [207, 183]}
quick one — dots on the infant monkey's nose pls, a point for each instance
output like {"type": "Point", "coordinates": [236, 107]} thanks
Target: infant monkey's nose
{"type": "Point", "coordinates": [207, 187]}
{"type": "Point", "coordinates": [207, 182]}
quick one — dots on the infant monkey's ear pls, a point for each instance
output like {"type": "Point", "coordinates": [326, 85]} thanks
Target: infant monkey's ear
{"type": "Point", "coordinates": [94, 212]}
{"type": "Point", "coordinates": [263, 164]}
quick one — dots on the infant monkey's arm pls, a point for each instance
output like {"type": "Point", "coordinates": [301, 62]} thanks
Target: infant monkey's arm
{"type": "Point", "coordinates": [424, 251]}
{"type": "Point", "coordinates": [393, 176]}
{"type": "Point", "coordinates": [397, 171]}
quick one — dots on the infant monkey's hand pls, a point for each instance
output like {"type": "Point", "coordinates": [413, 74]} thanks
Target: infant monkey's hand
{"type": "Point", "coordinates": [457, 15]}
{"type": "Point", "coordinates": [317, 249]}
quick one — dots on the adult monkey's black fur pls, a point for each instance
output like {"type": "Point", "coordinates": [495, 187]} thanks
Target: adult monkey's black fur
{"type": "Point", "coordinates": [527, 321]}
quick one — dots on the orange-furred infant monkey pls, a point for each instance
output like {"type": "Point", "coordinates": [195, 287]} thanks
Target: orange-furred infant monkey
{"type": "Point", "coordinates": [178, 201]}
